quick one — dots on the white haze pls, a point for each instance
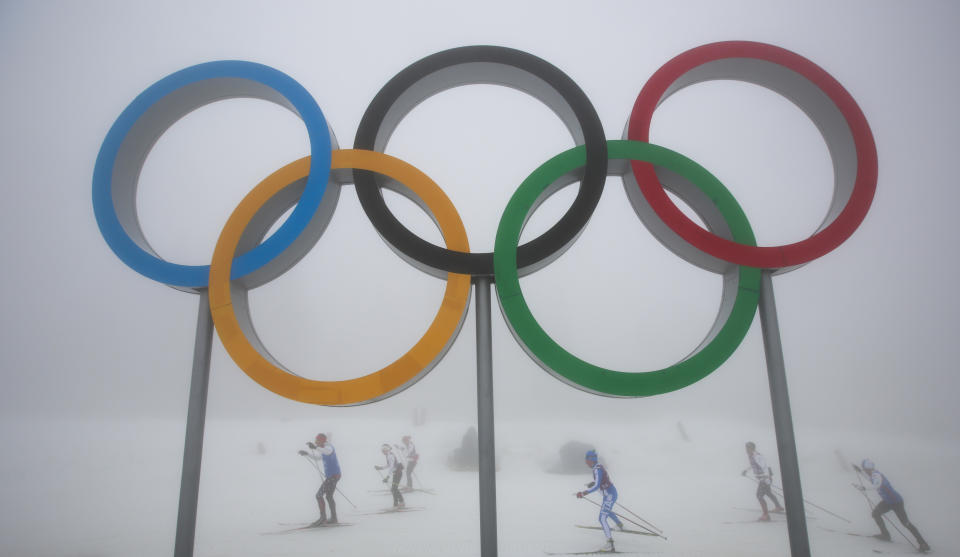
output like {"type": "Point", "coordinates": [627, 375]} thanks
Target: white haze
{"type": "Point", "coordinates": [96, 358]}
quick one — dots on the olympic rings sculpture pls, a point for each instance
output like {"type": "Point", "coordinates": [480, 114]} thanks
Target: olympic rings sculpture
{"type": "Point", "coordinates": [244, 259]}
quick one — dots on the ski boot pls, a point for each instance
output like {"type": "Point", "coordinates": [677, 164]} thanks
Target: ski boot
{"type": "Point", "coordinates": [883, 536]}
{"type": "Point", "coordinates": [608, 547]}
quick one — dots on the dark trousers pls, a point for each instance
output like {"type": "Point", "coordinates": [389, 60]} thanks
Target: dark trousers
{"type": "Point", "coordinates": [326, 490]}
{"type": "Point", "coordinates": [411, 464]}
{"type": "Point", "coordinates": [763, 489]}
{"type": "Point", "coordinates": [898, 509]}
{"type": "Point", "coordinates": [395, 487]}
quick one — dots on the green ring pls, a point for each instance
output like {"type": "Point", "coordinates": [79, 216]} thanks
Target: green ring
{"type": "Point", "coordinates": [584, 375]}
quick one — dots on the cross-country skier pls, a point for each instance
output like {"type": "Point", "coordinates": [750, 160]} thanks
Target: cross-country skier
{"type": "Point", "coordinates": [601, 481]}
{"type": "Point", "coordinates": [393, 465]}
{"type": "Point", "coordinates": [410, 455]}
{"type": "Point", "coordinates": [331, 469]}
{"type": "Point", "coordinates": [764, 476]}
{"type": "Point", "coordinates": [890, 500]}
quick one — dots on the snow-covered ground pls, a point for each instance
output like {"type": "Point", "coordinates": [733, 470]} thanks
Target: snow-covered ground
{"type": "Point", "coordinates": [98, 489]}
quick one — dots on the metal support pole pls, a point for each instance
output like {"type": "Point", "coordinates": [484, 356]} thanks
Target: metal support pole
{"type": "Point", "coordinates": [487, 464]}
{"type": "Point", "coordinates": [783, 420]}
{"type": "Point", "coordinates": [193, 443]}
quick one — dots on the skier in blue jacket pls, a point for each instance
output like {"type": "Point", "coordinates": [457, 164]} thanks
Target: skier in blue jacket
{"type": "Point", "coordinates": [890, 500]}
{"type": "Point", "coordinates": [601, 481]}
{"type": "Point", "coordinates": [331, 469]}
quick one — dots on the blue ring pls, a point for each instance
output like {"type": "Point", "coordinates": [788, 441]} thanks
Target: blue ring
{"type": "Point", "coordinates": [197, 276]}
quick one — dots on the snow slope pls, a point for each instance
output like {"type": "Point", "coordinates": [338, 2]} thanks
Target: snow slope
{"type": "Point", "coordinates": [99, 489]}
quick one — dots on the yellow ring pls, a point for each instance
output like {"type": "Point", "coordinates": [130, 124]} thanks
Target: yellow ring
{"type": "Point", "coordinates": [368, 388]}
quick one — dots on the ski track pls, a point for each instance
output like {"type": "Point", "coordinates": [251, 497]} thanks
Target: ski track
{"type": "Point", "coordinates": [117, 496]}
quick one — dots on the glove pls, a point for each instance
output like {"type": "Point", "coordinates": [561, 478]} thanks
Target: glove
{"type": "Point", "coordinates": [857, 468]}
{"type": "Point", "coordinates": [589, 485]}
{"type": "Point", "coordinates": [311, 445]}
{"type": "Point", "coordinates": [859, 487]}
{"type": "Point", "coordinates": [579, 495]}
{"type": "Point", "coordinates": [744, 473]}
{"type": "Point", "coordinates": [302, 453]}
{"type": "Point", "coordinates": [385, 480]}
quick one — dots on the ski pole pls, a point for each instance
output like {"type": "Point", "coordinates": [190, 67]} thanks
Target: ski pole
{"type": "Point", "coordinates": [639, 517]}
{"type": "Point", "coordinates": [780, 493]}
{"type": "Point", "coordinates": [345, 497]}
{"type": "Point", "coordinates": [863, 490]}
{"type": "Point", "coordinates": [314, 459]}
{"type": "Point", "coordinates": [423, 489]}
{"type": "Point", "coordinates": [635, 523]}
{"type": "Point", "coordinates": [324, 478]}
{"type": "Point", "coordinates": [313, 463]}
{"type": "Point", "coordinates": [342, 494]}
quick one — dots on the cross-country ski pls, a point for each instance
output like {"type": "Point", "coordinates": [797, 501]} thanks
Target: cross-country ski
{"type": "Point", "coordinates": [311, 526]}
{"type": "Point", "coordinates": [404, 490]}
{"type": "Point", "coordinates": [894, 546]}
{"type": "Point", "coordinates": [755, 521]}
{"type": "Point", "coordinates": [394, 510]}
{"type": "Point", "coordinates": [594, 552]}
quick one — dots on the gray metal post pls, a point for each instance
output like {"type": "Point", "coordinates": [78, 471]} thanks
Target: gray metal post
{"type": "Point", "coordinates": [783, 420]}
{"type": "Point", "coordinates": [193, 443]}
{"type": "Point", "coordinates": [488, 470]}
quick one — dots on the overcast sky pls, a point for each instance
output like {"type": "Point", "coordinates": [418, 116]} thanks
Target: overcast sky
{"type": "Point", "coordinates": [868, 330]}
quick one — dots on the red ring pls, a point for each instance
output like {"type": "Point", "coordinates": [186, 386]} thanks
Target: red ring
{"type": "Point", "coordinates": [772, 257]}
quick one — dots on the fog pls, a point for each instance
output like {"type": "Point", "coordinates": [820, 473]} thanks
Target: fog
{"type": "Point", "coordinates": [867, 329]}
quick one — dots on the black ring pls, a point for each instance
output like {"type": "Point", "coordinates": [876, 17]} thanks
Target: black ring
{"type": "Point", "coordinates": [476, 65]}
